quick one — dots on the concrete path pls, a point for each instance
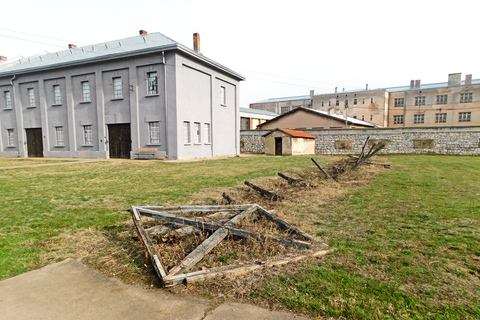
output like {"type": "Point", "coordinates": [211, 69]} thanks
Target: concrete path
{"type": "Point", "coordinates": [70, 290]}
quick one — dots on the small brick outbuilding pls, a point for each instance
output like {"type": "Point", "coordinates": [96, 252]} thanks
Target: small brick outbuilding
{"type": "Point", "coordinates": [289, 142]}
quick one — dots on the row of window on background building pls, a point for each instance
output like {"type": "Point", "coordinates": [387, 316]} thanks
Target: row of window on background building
{"type": "Point", "coordinates": [439, 118]}
{"type": "Point", "coordinates": [440, 99]}
{"type": "Point", "coordinates": [152, 89]}
{"type": "Point", "coordinates": [198, 134]}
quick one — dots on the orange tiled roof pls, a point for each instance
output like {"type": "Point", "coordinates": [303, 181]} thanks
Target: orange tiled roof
{"type": "Point", "coordinates": [298, 134]}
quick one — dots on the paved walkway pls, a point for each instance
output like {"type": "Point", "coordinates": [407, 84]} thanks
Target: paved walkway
{"type": "Point", "coordinates": [70, 290]}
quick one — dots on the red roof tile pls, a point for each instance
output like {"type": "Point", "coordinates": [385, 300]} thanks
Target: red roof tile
{"type": "Point", "coordinates": [298, 134]}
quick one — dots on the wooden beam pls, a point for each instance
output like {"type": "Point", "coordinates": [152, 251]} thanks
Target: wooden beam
{"type": "Point", "coordinates": [289, 179]}
{"type": "Point", "coordinates": [321, 169]}
{"type": "Point", "coordinates": [228, 198]}
{"type": "Point", "coordinates": [263, 191]}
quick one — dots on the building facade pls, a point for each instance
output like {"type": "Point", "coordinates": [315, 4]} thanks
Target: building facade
{"type": "Point", "coordinates": [251, 118]}
{"type": "Point", "coordinates": [452, 103]}
{"type": "Point", "coordinates": [109, 99]}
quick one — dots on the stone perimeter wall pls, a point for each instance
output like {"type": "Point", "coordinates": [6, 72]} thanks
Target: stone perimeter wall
{"type": "Point", "coordinates": [447, 140]}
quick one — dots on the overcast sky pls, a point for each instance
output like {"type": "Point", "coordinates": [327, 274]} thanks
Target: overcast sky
{"type": "Point", "coordinates": [283, 48]}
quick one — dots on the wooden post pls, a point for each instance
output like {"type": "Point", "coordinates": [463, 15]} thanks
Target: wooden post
{"type": "Point", "coordinates": [321, 169]}
{"type": "Point", "coordinates": [263, 191]}
{"type": "Point", "coordinates": [289, 179]}
{"type": "Point", "coordinates": [228, 198]}
{"type": "Point", "coordinates": [369, 156]}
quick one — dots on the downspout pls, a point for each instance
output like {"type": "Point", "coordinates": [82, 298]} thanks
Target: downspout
{"type": "Point", "coordinates": [166, 102]}
{"type": "Point", "coordinates": [18, 131]}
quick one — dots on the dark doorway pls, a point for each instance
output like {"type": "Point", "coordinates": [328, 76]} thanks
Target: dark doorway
{"type": "Point", "coordinates": [119, 141]}
{"type": "Point", "coordinates": [278, 146]}
{"type": "Point", "coordinates": [34, 142]}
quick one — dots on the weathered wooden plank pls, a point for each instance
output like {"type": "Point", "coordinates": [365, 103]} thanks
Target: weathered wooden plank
{"type": "Point", "coordinates": [236, 270]}
{"type": "Point", "coordinates": [228, 198]}
{"type": "Point", "coordinates": [363, 150]}
{"type": "Point", "coordinates": [212, 227]}
{"type": "Point", "coordinates": [369, 156]}
{"type": "Point", "coordinates": [289, 179]}
{"type": "Point", "coordinates": [152, 253]}
{"type": "Point", "coordinates": [264, 192]}
{"type": "Point", "coordinates": [327, 176]}
{"type": "Point", "coordinates": [284, 225]}
{"type": "Point", "coordinates": [187, 209]}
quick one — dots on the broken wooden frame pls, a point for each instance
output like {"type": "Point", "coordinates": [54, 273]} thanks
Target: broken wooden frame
{"type": "Point", "coordinates": [177, 275]}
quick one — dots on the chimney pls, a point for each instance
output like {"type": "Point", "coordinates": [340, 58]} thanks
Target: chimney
{"type": "Point", "coordinates": [3, 58]}
{"type": "Point", "coordinates": [335, 89]}
{"type": "Point", "coordinates": [196, 42]}
{"type": "Point", "coordinates": [412, 84]}
{"type": "Point", "coordinates": [468, 79]}
{"type": "Point", "coordinates": [417, 83]}
{"type": "Point", "coordinates": [72, 46]}
{"type": "Point", "coordinates": [454, 79]}
{"type": "Point", "coordinates": [143, 32]}
{"type": "Point", "coordinates": [366, 86]}
{"type": "Point", "coordinates": [312, 93]}
{"type": "Point", "coordinates": [343, 89]}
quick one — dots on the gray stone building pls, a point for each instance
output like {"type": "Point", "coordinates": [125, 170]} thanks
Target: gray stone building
{"type": "Point", "coordinates": [110, 99]}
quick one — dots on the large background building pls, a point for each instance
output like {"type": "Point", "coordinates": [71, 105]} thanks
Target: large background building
{"type": "Point", "coordinates": [452, 103]}
{"type": "Point", "coordinates": [107, 100]}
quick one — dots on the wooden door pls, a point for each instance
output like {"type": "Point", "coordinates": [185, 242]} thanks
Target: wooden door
{"type": "Point", "coordinates": [34, 142]}
{"type": "Point", "coordinates": [278, 146]}
{"type": "Point", "coordinates": [119, 140]}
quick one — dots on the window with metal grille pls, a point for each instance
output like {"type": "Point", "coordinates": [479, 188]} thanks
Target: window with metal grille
{"type": "Point", "coordinates": [31, 97]}
{"type": "Point", "coordinates": [154, 132]}
{"type": "Point", "coordinates": [196, 128]}
{"type": "Point", "coordinates": [418, 118]}
{"type": "Point", "coordinates": [117, 88]}
{"type": "Point", "coordinates": [59, 141]}
{"type": "Point", "coordinates": [152, 83]}
{"type": "Point", "coordinates": [420, 101]}
{"type": "Point", "coordinates": [284, 110]}
{"type": "Point", "coordinates": [466, 97]}
{"type": "Point", "coordinates": [398, 119]}
{"type": "Point", "coordinates": [57, 95]}
{"type": "Point", "coordinates": [10, 138]}
{"type": "Point", "coordinates": [8, 100]}
{"type": "Point", "coordinates": [87, 135]}
{"type": "Point", "coordinates": [186, 132]}
{"type": "Point", "coordinates": [399, 102]}
{"type": "Point", "coordinates": [440, 117]}
{"type": "Point", "coordinates": [442, 99]}
{"type": "Point", "coordinates": [86, 91]}
{"type": "Point", "coordinates": [206, 133]}
{"type": "Point", "coordinates": [464, 116]}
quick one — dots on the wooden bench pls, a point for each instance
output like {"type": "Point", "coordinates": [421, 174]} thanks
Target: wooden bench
{"type": "Point", "coordinates": [148, 154]}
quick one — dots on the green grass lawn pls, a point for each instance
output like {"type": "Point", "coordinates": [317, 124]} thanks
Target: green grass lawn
{"type": "Point", "coordinates": [408, 242]}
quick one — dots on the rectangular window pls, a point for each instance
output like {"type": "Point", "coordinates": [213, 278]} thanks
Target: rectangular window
{"type": "Point", "coordinates": [418, 118]}
{"type": "Point", "coordinates": [152, 83]}
{"type": "Point", "coordinates": [466, 97]}
{"type": "Point", "coordinates": [337, 102]}
{"type": "Point", "coordinates": [57, 95]}
{"type": "Point", "coordinates": [399, 102]}
{"type": "Point", "coordinates": [206, 133]}
{"type": "Point", "coordinates": [154, 132]}
{"type": "Point", "coordinates": [371, 118]}
{"type": "Point", "coordinates": [186, 132]}
{"type": "Point", "coordinates": [322, 103]}
{"type": "Point", "coordinates": [371, 100]}
{"type": "Point", "coordinates": [284, 109]}
{"type": "Point", "coordinates": [464, 116]}
{"type": "Point", "coordinates": [223, 98]}
{"type": "Point", "coordinates": [355, 101]}
{"type": "Point", "coordinates": [363, 118]}
{"type": "Point", "coordinates": [440, 117]}
{"type": "Point", "coordinates": [8, 100]}
{"type": "Point", "coordinates": [117, 88]}
{"type": "Point", "coordinates": [86, 91]}
{"type": "Point", "coordinates": [10, 138]}
{"type": "Point", "coordinates": [398, 119]}
{"type": "Point", "coordinates": [87, 135]}
{"type": "Point", "coordinates": [59, 141]}
{"type": "Point", "coordinates": [363, 101]}
{"type": "Point", "coordinates": [346, 103]}
{"type": "Point", "coordinates": [442, 99]}
{"type": "Point", "coordinates": [31, 97]}
{"type": "Point", "coordinates": [196, 127]}
{"type": "Point", "coordinates": [245, 123]}
{"type": "Point", "coordinates": [420, 101]}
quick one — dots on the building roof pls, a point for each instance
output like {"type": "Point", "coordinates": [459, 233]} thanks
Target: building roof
{"type": "Point", "coordinates": [325, 114]}
{"type": "Point", "coordinates": [103, 51]}
{"type": "Point", "coordinates": [258, 112]}
{"type": "Point", "coordinates": [293, 133]}
{"type": "Point", "coordinates": [285, 99]}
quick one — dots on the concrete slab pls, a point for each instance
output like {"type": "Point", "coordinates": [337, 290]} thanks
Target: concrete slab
{"type": "Point", "coordinates": [240, 311]}
{"type": "Point", "coordinates": [70, 290]}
